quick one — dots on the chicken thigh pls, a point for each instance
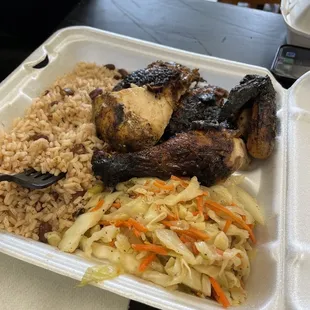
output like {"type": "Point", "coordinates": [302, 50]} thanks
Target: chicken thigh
{"type": "Point", "coordinates": [135, 114]}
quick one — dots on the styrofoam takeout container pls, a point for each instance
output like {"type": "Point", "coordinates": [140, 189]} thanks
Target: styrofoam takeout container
{"type": "Point", "coordinates": [281, 269]}
{"type": "Point", "coordinates": [296, 14]}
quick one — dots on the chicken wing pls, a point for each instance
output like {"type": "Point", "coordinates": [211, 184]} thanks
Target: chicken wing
{"type": "Point", "coordinates": [252, 105]}
{"type": "Point", "coordinates": [262, 126]}
{"type": "Point", "coordinates": [212, 156]}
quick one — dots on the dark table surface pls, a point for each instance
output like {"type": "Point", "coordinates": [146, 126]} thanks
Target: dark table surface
{"type": "Point", "coordinates": [221, 30]}
{"type": "Point", "coordinates": [216, 29]}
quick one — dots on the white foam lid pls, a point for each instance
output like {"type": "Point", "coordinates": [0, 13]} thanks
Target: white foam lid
{"type": "Point", "coordinates": [296, 14]}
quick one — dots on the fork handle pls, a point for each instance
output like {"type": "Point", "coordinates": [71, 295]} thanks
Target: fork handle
{"type": "Point", "coordinates": [6, 177]}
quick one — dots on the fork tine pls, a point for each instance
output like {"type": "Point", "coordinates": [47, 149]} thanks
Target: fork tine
{"type": "Point", "coordinates": [34, 174]}
{"type": "Point", "coordinates": [37, 175]}
{"type": "Point", "coordinates": [34, 179]}
{"type": "Point", "coordinates": [29, 172]}
{"type": "Point", "coordinates": [47, 176]}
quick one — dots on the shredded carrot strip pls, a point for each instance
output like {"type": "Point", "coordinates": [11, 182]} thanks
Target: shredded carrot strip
{"type": "Point", "coordinates": [146, 261]}
{"type": "Point", "coordinates": [239, 255]}
{"type": "Point", "coordinates": [195, 213]}
{"type": "Point", "coordinates": [205, 194]}
{"type": "Point", "coordinates": [206, 216]}
{"type": "Point", "coordinates": [186, 239]}
{"type": "Point", "coordinates": [175, 178]}
{"type": "Point", "coordinates": [194, 249]}
{"type": "Point", "coordinates": [112, 244]}
{"type": "Point", "coordinates": [137, 233]}
{"type": "Point", "coordinates": [198, 233]}
{"type": "Point", "coordinates": [182, 182]}
{"type": "Point", "coordinates": [216, 207]}
{"type": "Point", "coordinates": [200, 204]}
{"type": "Point", "coordinates": [227, 225]}
{"type": "Point", "coordinates": [191, 232]}
{"type": "Point", "coordinates": [167, 223]}
{"type": "Point", "coordinates": [243, 217]}
{"type": "Point", "coordinates": [161, 182]}
{"type": "Point", "coordinates": [220, 293]}
{"type": "Point", "coordinates": [171, 217]}
{"type": "Point", "coordinates": [165, 187]}
{"type": "Point", "coordinates": [251, 226]}
{"type": "Point", "coordinates": [158, 249]}
{"type": "Point", "coordinates": [105, 223]}
{"type": "Point", "coordinates": [186, 233]}
{"type": "Point", "coordinates": [121, 223]}
{"type": "Point", "coordinates": [138, 226]}
{"type": "Point", "coordinates": [131, 223]}
{"type": "Point", "coordinates": [98, 206]}
{"type": "Point", "coordinates": [116, 205]}
{"type": "Point", "coordinates": [233, 204]}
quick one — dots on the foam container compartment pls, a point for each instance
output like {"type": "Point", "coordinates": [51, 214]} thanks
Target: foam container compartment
{"type": "Point", "coordinates": [281, 269]}
{"type": "Point", "coordinates": [296, 14]}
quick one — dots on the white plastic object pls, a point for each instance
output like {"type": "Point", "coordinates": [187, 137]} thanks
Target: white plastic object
{"type": "Point", "coordinates": [281, 268]}
{"type": "Point", "coordinates": [296, 14]}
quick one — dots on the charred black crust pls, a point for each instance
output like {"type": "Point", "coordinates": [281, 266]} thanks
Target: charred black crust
{"type": "Point", "coordinates": [159, 75]}
{"type": "Point", "coordinates": [119, 114]}
{"type": "Point", "coordinates": [241, 95]}
{"type": "Point", "coordinates": [154, 78]}
{"type": "Point", "coordinates": [199, 110]}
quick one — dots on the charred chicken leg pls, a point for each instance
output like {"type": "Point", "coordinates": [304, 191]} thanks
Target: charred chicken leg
{"type": "Point", "coordinates": [212, 156]}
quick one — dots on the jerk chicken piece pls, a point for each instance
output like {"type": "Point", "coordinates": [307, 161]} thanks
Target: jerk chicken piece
{"type": "Point", "coordinates": [250, 107]}
{"type": "Point", "coordinates": [131, 119]}
{"type": "Point", "coordinates": [199, 109]}
{"type": "Point", "coordinates": [169, 79]}
{"type": "Point", "coordinates": [135, 114]}
{"type": "Point", "coordinates": [262, 126]}
{"type": "Point", "coordinates": [212, 156]}
{"type": "Point", "coordinates": [251, 104]}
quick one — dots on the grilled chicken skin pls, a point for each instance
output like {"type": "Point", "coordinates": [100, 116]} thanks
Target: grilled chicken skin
{"type": "Point", "coordinates": [169, 79]}
{"type": "Point", "coordinates": [251, 104]}
{"type": "Point", "coordinates": [262, 126]}
{"type": "Point", "coordinates": [199, 109]}
{"type": "Point", "coordinates": [134, 116]}
{"type": "Point", "coordinates": [212, 156]}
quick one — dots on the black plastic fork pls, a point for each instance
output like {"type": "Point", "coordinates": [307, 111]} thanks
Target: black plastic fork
{"type": "Point", "coordinates": [32, 179]}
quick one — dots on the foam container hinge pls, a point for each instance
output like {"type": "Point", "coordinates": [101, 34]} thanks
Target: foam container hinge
{"type": "Point", "coordinates": [280, 270]}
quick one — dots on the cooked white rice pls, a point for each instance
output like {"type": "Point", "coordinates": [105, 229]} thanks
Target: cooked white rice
{"type": "Point", "coordinates": [66, 122]}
